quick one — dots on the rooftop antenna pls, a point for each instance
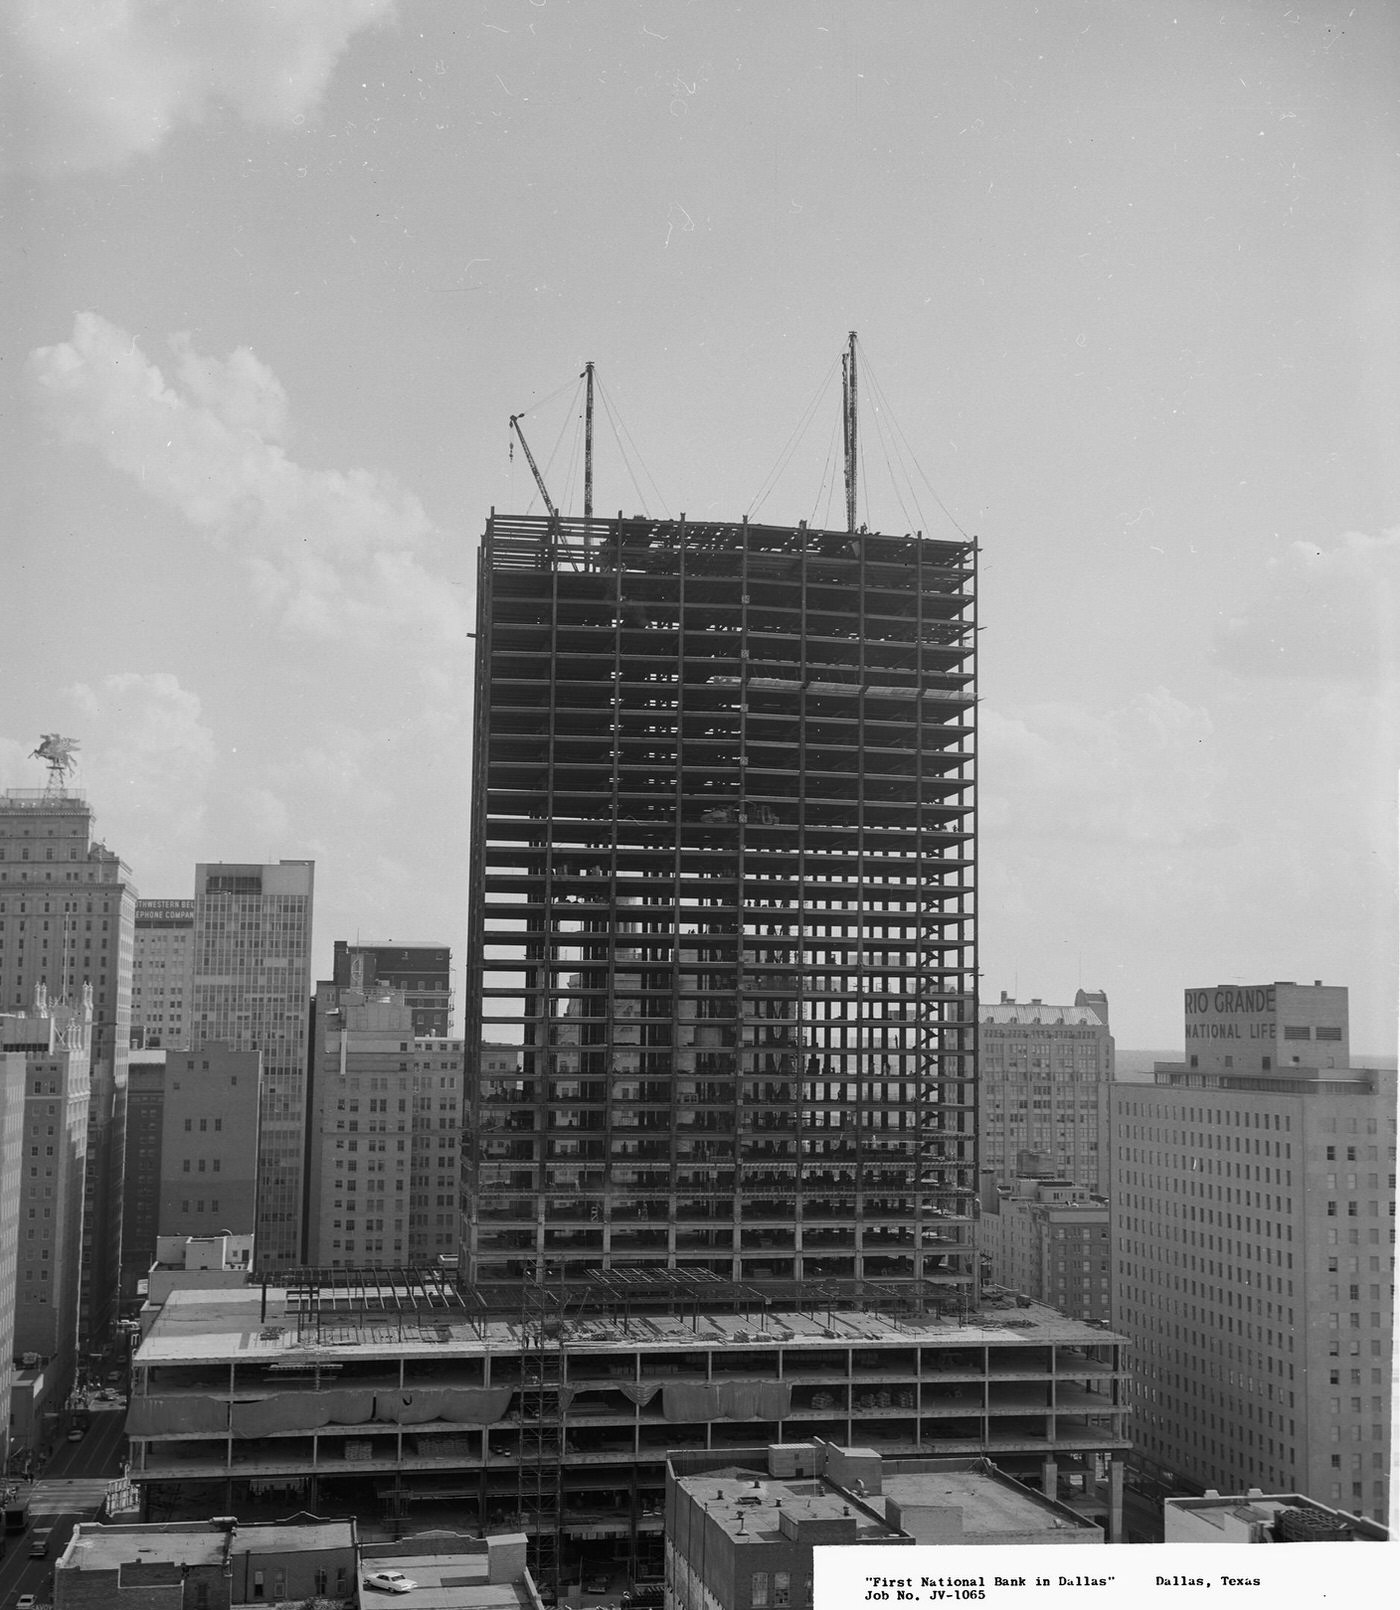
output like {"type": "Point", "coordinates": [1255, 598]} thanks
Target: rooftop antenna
{"type": "Point", "coordinates": [57, 753]}
{"type": "Point", "coordinates": [848, 427]}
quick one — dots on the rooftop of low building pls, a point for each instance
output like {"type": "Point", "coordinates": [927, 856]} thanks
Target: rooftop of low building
{"type": "Point", "coordinates": [992, 1504]}
{"type": "Point", "coordinates": [449, 1572]}
{"type": "Point", "coordinates": [1044, 1013]}
{"type": "Point", "coordinates": [193, 1543]}
{"type": "Point", "coordinates": [252, 1325]}
{"type": "Point", "coordinates": [746, 1502]}
{"type": "Point", "coordinates": [1259, 1507]}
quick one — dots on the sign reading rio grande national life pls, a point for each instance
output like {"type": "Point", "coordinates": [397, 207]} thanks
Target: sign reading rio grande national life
{"type": "Point", "coordinates": [1230, 1012]}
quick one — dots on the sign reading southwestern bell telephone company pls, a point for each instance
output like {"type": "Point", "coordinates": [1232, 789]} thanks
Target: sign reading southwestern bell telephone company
{"type": "Point", "coordinates": [1229, 1012]}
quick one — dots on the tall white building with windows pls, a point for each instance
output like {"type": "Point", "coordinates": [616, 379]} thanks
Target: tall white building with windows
{"type": "Point", "coordinates": [161, 975]}
{"type": "Point", "coordinates": [1254, 1246]}
{"type": "Point", "coordinates": [386, 1128]}
{"type": "Point", "coordinates": [67, 909]}
{"type": "Point", "coordinates": [1044, 1073]}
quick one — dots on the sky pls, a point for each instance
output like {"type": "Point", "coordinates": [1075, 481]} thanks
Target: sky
{"type": "Point", "coordinates": [1124, 277]}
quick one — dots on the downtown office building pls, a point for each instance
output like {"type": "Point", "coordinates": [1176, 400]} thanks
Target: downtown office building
{"type": "Point", "coordinates": [250, 990]}
{"type": "Point", "coordinates": [723, 902]}
{"type": "Point", "coordinates": [1254, 1252]}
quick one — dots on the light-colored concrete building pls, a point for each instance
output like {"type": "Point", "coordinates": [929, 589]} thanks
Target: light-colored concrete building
{"type": "Point", "coordinates": [52, 1043]}
{"type": "Point", "coordinates": [1043, 1075]}
{"type": "Point", "coordinates": [385, 1134]}
{"type": "Point", "coordinates": [399, 1403]}
{"type": "Point", "coordinates": [1261, 1027]}
{"type": "Point", "coordinates": [196, 1263]}
{"type": "Point", "coordinates": [251, 991]}
{"type": "Point", "coordinates": [1253, 1247]}
{"type": "Point", "coordinates": [67, 914]}
{"type": "Point", "coordinates": [1048, 1239]}
{"type": "Point", "coordinates": [162, 975]}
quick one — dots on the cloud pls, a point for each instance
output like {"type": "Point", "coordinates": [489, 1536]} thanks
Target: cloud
{"type": "Point", "coordinates": [97, 82]}
{"type": "Point", "coordinates": [1324, 613]}
{"type": "Point", "coordinates": [1140, 776]}
{"type": "Point", "coordinates": [149, 758]}
{"type": "Point", "coordinates": [330, 553]}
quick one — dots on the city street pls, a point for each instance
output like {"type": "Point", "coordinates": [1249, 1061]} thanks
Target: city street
{"type": "Point", "coordinates": [70, 1490]}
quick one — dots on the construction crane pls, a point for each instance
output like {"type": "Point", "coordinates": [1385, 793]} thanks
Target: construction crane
{"type": "Point", "coordinates": [588, 444]}
{"type": "Point", "coordinates": [848, 428]}
{"type": "Point", "coordinates": [587, 378]}
{"type": "Point", "coordinates": [534, 469]}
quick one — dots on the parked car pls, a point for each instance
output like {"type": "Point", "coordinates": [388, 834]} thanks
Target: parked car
{"type": "Point", "coordinates": [390, 1582]}
{"type": "Point", "coordinates": [25, 1602]}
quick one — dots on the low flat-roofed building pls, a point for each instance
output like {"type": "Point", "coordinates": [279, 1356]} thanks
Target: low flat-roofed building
{"type": "Point", "coordinates": [1258, 1517]}
{"type": "Point", "coordinates": [195, 1263]}
{"type": "Point", "coordinates": [452, 1571]}
{"type": "Point", "coordinates": [738, 1534]}
{"type": "Point", "coordinates": [205, 1565]}
{"type": "Point", "coordinates": [372, 1398]}
{"type": "Point", "coordinates": [970, 1502]}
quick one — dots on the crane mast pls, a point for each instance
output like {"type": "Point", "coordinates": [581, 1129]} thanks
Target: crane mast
{"type": "Point", "coordinates": [848, 426]}
{"type": "Point", "coordinates": [588, 441]}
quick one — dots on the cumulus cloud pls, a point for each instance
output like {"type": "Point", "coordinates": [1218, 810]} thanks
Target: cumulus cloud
{"type": "Point", "coordinates": [330, 553]}
{"type": "Point", "coordinates": [1141, 775]}
{"type": "Point", "coordinates": [1320, 612]}
{"type": "Point", "coordinates": [149, 757]}
{"type": "Point", "coordinates": [94, 83]}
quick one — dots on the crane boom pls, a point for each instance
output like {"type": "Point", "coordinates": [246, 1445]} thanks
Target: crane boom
{"type": "Point", "coordinates": [534, 468]}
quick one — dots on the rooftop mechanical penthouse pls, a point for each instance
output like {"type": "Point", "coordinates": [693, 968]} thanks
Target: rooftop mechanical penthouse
{"type": "Point", "coordinates": [723, 899]}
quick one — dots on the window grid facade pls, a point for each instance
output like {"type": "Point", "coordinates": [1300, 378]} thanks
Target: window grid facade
{"type": "Point", "coordinates": [251, 991]}
{"type": "Point", "coordinates": [67, 911]}
{"type": "Point", "coordinates": [1254, 1299]}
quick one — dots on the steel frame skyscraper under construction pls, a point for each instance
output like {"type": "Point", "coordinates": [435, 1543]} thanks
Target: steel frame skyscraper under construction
{"type": "Point", "coordinates": [723, 898]}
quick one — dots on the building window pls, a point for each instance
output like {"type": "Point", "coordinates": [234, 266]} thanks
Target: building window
{"type": "Point", "coordinates": [759, 1594]}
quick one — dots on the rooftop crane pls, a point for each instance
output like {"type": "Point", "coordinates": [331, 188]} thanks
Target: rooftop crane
{"type": "Point", "coordinates": [534, 469]}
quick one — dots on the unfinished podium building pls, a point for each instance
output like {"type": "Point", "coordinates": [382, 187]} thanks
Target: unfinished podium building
{"type": "Point", "coordinates": [723, 900]}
